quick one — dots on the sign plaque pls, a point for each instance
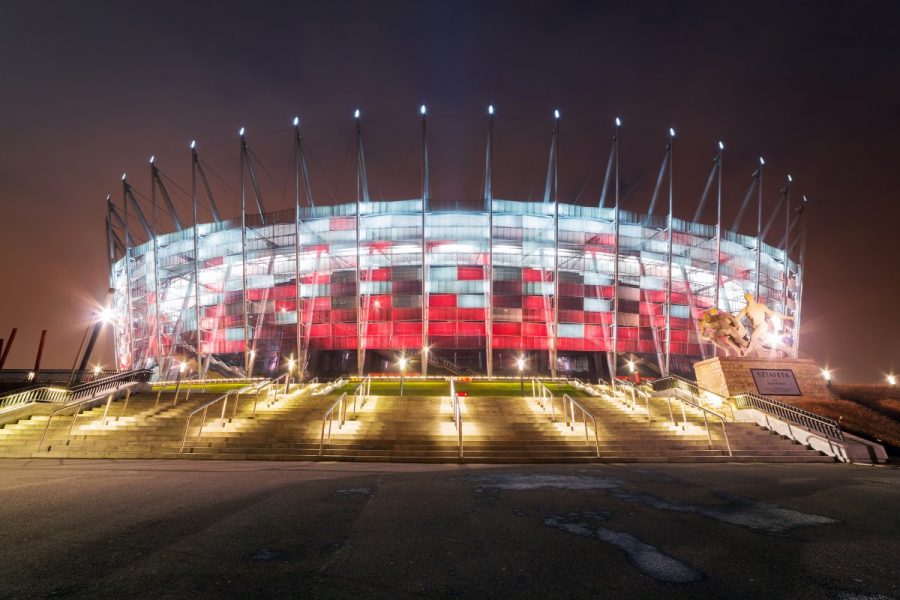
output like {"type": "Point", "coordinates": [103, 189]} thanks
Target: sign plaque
{"type": "Point", "coordinates": [776, 382]}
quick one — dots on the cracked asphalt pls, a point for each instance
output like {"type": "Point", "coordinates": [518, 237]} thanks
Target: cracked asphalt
{"type": "Point", "coordinates": [162, 529]}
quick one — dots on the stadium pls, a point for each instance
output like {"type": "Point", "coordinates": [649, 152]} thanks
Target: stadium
{"type": "Point", "coordinates": [552, 287]}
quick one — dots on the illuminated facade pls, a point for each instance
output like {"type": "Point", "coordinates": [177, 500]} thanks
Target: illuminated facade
{"type": "Point", "coordinates": [359, 298]}
{"type": "Point", "coordinates": [348, 288]}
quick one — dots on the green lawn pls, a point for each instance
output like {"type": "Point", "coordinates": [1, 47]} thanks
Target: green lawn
{"type": "Point", "coordinates": [442, 388]}
{"type": "Point", "coordinates": [208, 388]}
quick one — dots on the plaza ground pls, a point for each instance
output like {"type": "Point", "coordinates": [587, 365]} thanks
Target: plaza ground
{"type": "Point", "coordinates": [170, 529]}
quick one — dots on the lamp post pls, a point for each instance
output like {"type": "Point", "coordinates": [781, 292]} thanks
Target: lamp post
{"type": "Point", "coordinates": [250, 366]}
{"type": "Point", "coordinates": [402, 363]}
{"type": "Point", "coordinates": [182, 367]}
{"type": "Point", "coordinates": [287, 380]}
{"type": "Point", "coordinates": [520, 362]}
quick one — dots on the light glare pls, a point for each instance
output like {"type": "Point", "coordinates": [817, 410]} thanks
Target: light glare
{"type": "Point", "coordinates": [618, 122]}
{"type": "Point", "coordinates": [356, 114]}
{"type": "Point", "coordinates": [491, 109]}
{"type": "Point", "coordinates": [423, 110]}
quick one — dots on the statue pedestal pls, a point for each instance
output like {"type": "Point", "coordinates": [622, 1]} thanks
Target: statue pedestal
{"type": "Point", "coordinates": [784, 379]}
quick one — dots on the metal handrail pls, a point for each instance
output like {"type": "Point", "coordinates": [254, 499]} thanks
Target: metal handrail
{"type": "Point", "coordinates": [329, 417]}
{"type": "Point", "coordinates": [205, 407]}
{"type": "Point", "coordinates": [45, 376]}
{"type": "Point", "coordinates": [34, 394]}
{"type": "Point", "coordinates": [94, 391]}
{"type": "Point", "coordinates": [827, 427]}
{"type": "Point", "coordinates": [705, 411]}
{"type": "Point", "coordinates": [635, 391]}
{"type": "Point", "coordinates": [569, 406]}
{"type": "Point", "coordinates": [701, 394]}
{"type": "Point", "coordinates": [541, 393]}
{"type": "Point", "coordinates": [457, 416]}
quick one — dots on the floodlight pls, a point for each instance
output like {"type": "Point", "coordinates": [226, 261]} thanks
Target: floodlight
{"type": "Point", "coordinates": [241, 132]}
{"type": "Point", "coordinates": [556, 114]}
{"type": "Point", "coordinates": [423, 110]}
{"type": "Point", "coordinates": [618, 122]}
{"type": "Point", "coordinates": [356, 114]}
{"type": "Point", "coordinates": [721, 146]}
{"type": "Point", "coordinates": [491, 109]}
{"type": "Point", "coordinates": [296, 121]}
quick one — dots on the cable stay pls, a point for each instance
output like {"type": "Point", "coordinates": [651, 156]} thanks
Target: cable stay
{"type": "Point", "coordinates": [709, 182]}
{"type": "Point", "coordinates": [785, 194]}
{"type": "Point", "coordinates": [156, 182]}
{"type": "Point", "coordinates": [607, 176]}
{"type": "Point", "coordinates": [753, 185]}
{"type": "Point", "coordinates": [659, 180]}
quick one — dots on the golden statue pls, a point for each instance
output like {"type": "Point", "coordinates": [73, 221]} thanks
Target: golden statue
{"type": "Point", "coordinates": [728, 332]}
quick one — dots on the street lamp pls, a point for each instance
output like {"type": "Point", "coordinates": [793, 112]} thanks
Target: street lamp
{"type": "Point", "coordinates": [402, 364]}
{"type": "Point", "coordinates": [520, 363]}
{"type": "Point", "coordinates": [891, 379]}
{"type": "Point", "coordinates": [287, 380]}
{"type": "Point", "coordinates": [97, 370]}
{"type": "Point", "coordinates": [826, 375]}
{"type": "Point", "coordinates": [182, 367]}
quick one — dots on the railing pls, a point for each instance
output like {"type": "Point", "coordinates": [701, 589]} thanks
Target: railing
{"type": "Point", "coordinates": [209, 380]}
{"type": "Point", "coordinates": [79, 396]}
{"type": "Point", "coordinates": [544, 397]}
{"type": "Point", "coordinates": [341, 406]}
{"type": "Point", "coordinates": [635, 392]}
{"type": "Point", "coordinates": [569, 408]}
{"type": "Point", "coordinates": [457, 416]}
{"type": "Point", "coordinates": [34, 394]}
{"type": "Point", "coordinates": [686, 398]}
{"type": "Point", "coordinates": [449, 365]}
{"type": "Point", "coordinates": [701, 395]}
{"type": "Point", "coordinates": [205, 408]}
{"type": "Point", "coordinates": [53, 375]}
{"type": "Point", "coordinates": [337, 383]}
{"type": "Point", "coordinates": [823, 425]}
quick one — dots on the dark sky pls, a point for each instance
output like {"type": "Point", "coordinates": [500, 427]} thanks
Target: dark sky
{"type": "Point", "coordinates": [90, 91]}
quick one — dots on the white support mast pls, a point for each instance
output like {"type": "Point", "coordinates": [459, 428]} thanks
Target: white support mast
{"type": "Point", "coordinates": [426, 192]}
{"type": "Point", "coordinates": [489, 267]}
{"type": "Point", "coordinates": [670, 222]}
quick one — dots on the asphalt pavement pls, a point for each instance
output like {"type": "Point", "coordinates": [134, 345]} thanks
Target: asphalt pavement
{"type": "Point", "coordinates": [179, 529]}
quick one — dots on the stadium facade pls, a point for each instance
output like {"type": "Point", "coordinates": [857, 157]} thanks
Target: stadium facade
{"type": "Point", "coordinates": [348, 288]}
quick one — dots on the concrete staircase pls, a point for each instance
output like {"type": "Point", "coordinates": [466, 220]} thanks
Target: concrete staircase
{"type": "Point", "coordinates": [499, 429]}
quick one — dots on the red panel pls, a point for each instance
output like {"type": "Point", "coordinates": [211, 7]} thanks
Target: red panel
{"type": "Point", "coordinates": [501, 328]}
{"type": "Point", "coordinates": [442, 300]}
{"type": "Point", "coordinates": [654, 296]}
{"type": "Point", "coordinates": [534, 329]}
{"type": "Point", "coordinates": [408, 327]}
{"type": "Point", "coordinates": [471, 314]}
{"type": "Point", "coordinates": [533, 302]}
{"type": "Point", "coordinates": [469, 273]}
{"type": "Point", "coordinates": [531, 275]}
{"type": "Point", "coordinates": [320, 330]}
{"type": "Point", "coordinates": [380, 274]}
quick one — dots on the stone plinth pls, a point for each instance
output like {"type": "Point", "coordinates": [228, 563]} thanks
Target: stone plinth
{"type": "Point", "coordinates": [731, 376]}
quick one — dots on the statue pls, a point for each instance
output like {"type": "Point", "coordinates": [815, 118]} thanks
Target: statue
{"type": "Point", "coordinates": [728, 332]}
{"type": "Point", "coordinates": [757, 313]}
{"type": "Point", "coordinates": [724, 331]}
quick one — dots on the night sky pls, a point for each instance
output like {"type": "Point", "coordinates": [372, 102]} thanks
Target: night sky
{"type": "Point", "coordinates": [91, 91]}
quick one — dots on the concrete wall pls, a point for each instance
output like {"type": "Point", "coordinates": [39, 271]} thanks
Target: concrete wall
{"type": "Point", "coordinates": [731, 376]}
